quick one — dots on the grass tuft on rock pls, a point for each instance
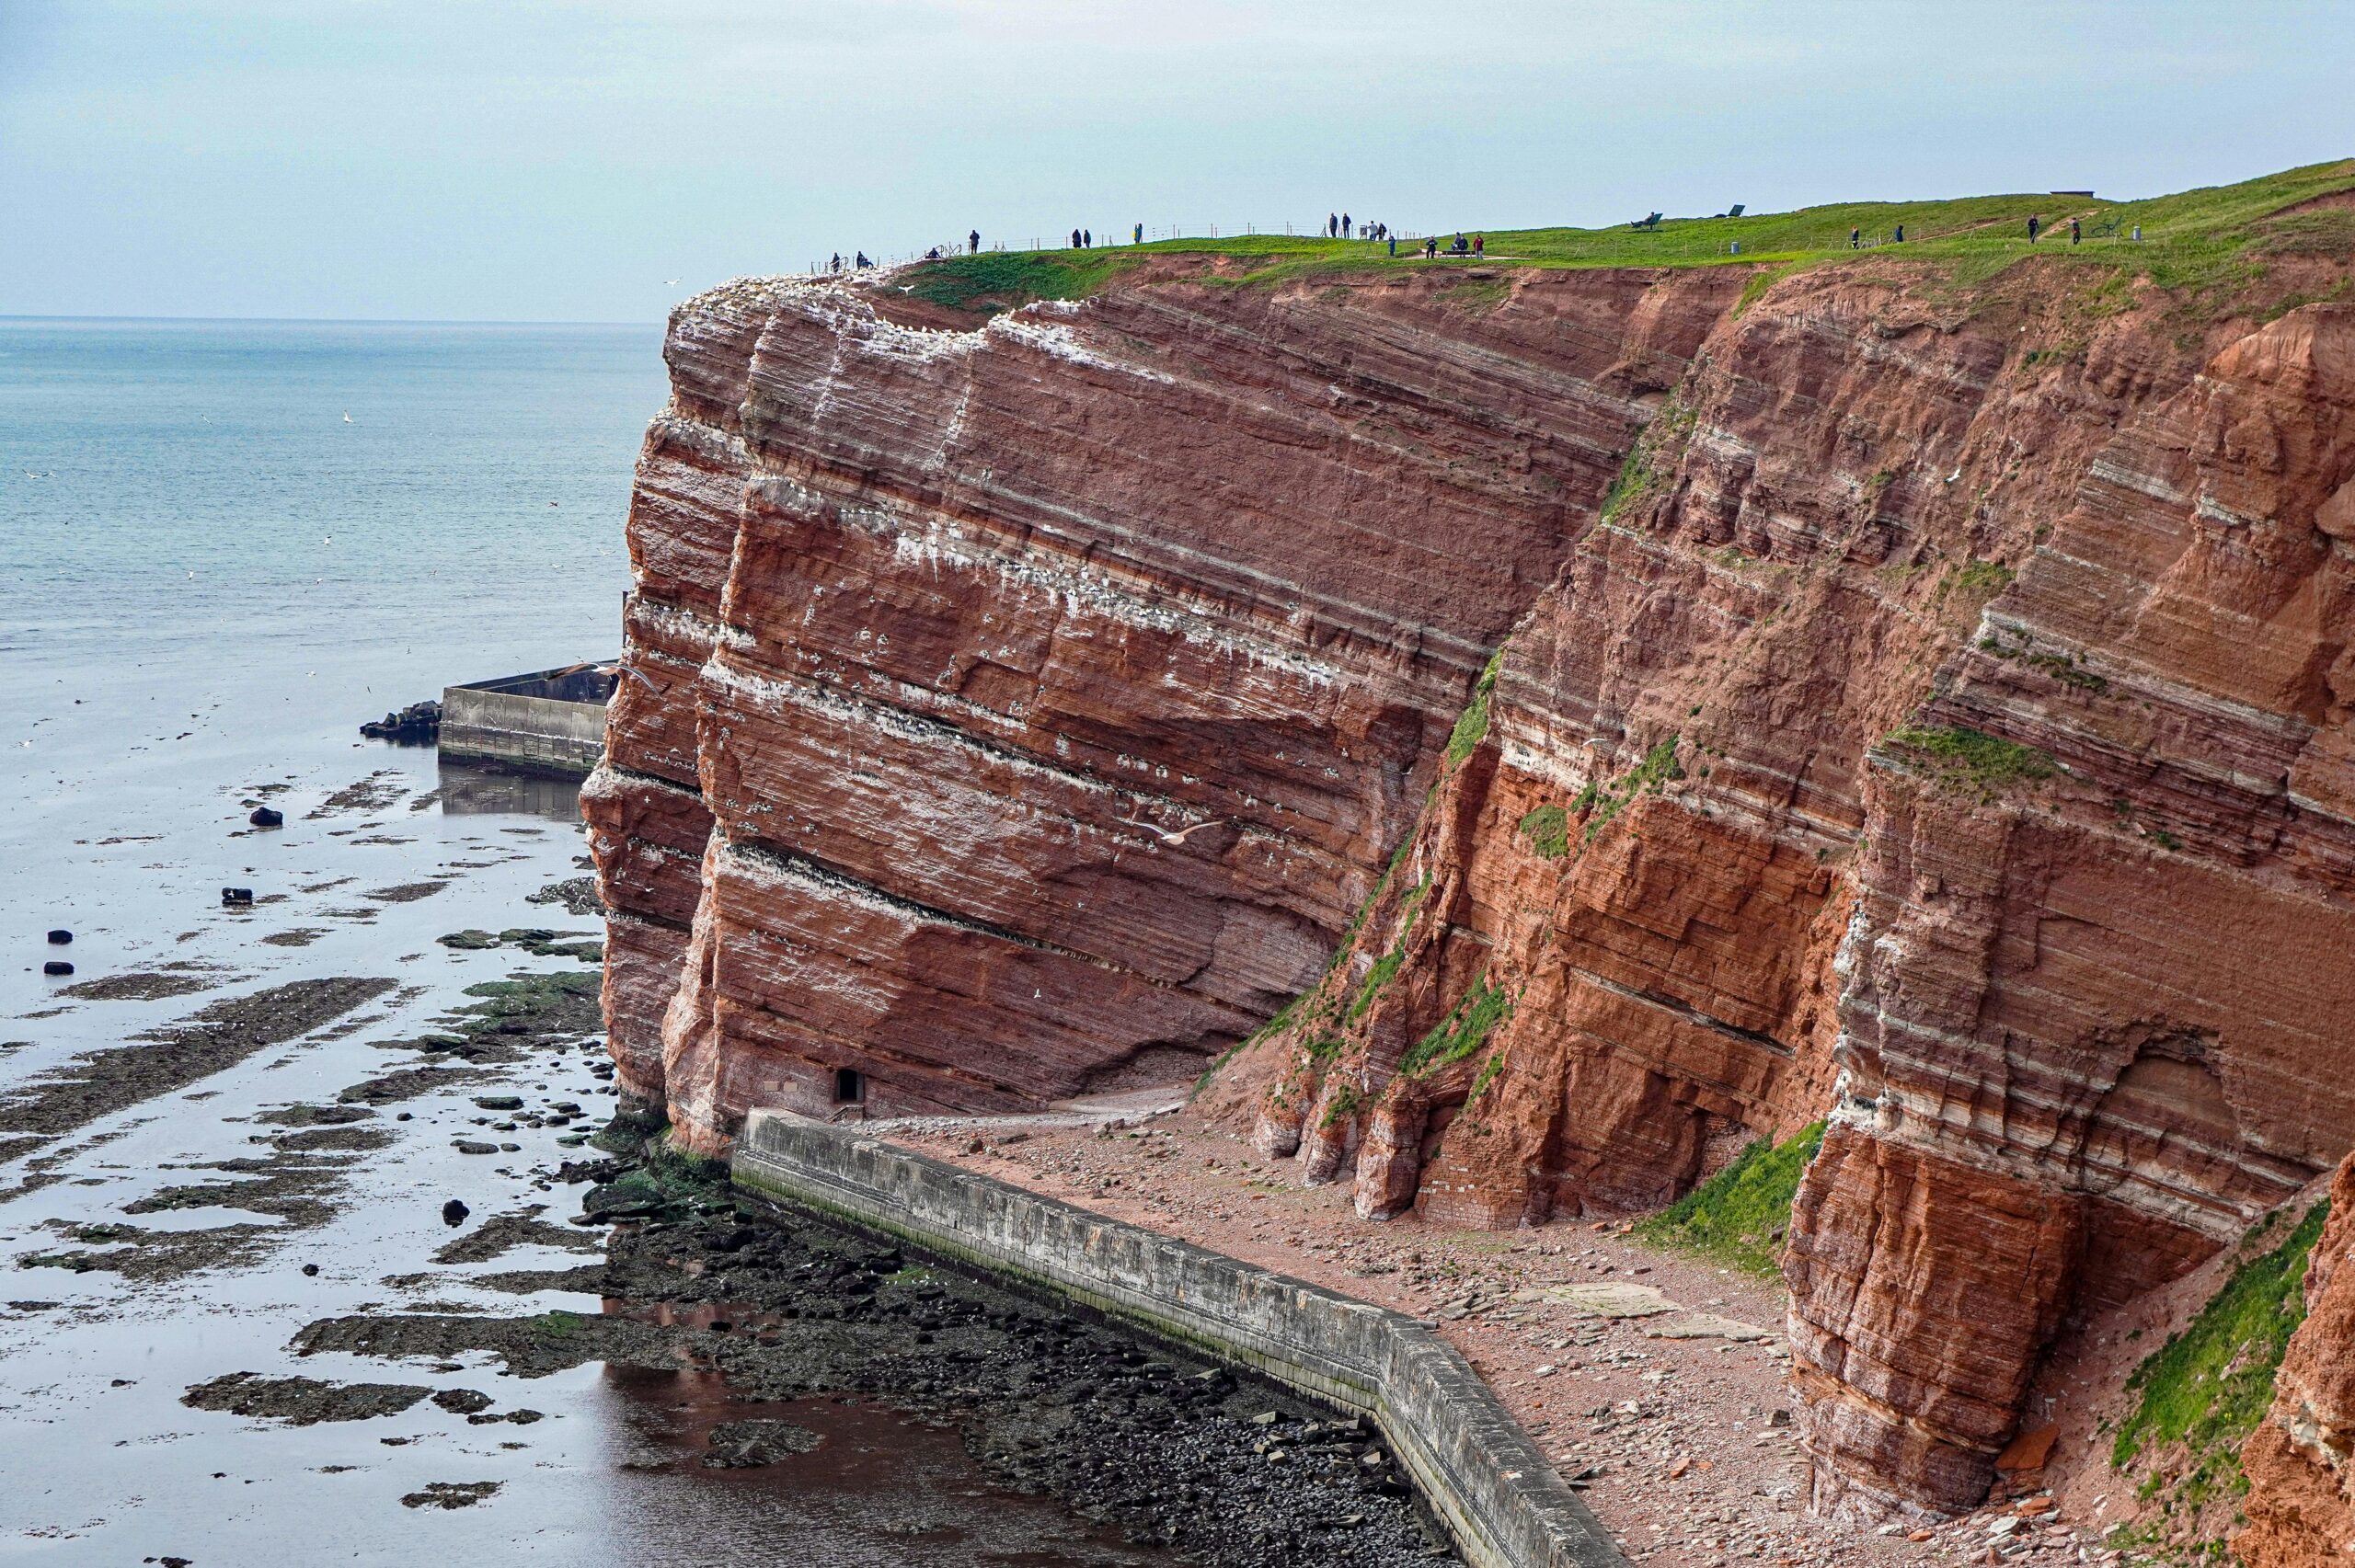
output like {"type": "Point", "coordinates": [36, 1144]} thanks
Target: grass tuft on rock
{"type": "Point", "coordinates": [1737, 1218]}
{"type": "Point", "coordinates": [1960, 757]}
{"type": "Point", "coordinates": [1463, 1031]}
{"type": "Point", "coordinates": [1547, 829]}
{"type": "Point", "coordinates": [1472, 725]}
{"type": "Point", "coordinates": [2208, 1386]}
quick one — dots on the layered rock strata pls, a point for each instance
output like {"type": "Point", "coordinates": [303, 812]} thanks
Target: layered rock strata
{"type": "Point", "coordinates": [1057, 686]}
{"type": "Point", "coordinates": [1919, 705]}
{"type": "Point", "coordinates": [1935, 732]}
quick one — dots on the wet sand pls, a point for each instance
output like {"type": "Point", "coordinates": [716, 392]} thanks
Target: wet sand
{"type": "Point", "coordinates": [237, 1324]}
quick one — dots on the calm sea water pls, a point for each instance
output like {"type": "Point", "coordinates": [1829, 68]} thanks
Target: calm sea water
{"type": "Point", "coordinates": [215, 535]}
{"type": "Point", "coordinates": [211, 576]}
{"type": "Point", "coordinates": [224, 545]}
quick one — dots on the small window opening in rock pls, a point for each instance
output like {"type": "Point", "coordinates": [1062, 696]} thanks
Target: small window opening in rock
{"type": "Point", "coordinates": [850, 1086]}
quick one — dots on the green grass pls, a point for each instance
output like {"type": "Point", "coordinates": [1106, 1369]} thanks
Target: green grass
{"type": "Point", "coordinates": [1462, 1031]}
{"type": "Point", "coordinates": [1386, 969]}
{"type": "Point", "coordinates": [1000, 279]}
{"type": "Point", "coordinates": [1975, 580]}
{"type": "Point", "coordinates": [2209, 241]}
{"type": "Point", "coordinates": [2208, 1386]}
{"type": "Point", "coordinates": [1652, 459]}
{"type": "Point", "coordinates": [1547, 829]}
{"type": "Point", "coordinates": [1599, 803]}
{"type": "Point", "coordinates": [1738, 1215]}
{"type": "Point", "coordinates": [1472, 725]}
{"type": "Point", "coordinates": [1958, 757]}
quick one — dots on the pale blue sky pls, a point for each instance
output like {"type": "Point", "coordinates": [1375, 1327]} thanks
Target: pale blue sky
{"type": "Point", "coordinates": [564, 160]}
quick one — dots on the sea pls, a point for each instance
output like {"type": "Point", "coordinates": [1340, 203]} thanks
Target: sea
{"type": "Point", "coordinates": [223, 546]}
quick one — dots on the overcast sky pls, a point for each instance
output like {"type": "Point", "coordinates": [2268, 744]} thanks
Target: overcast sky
{"type": "Point", "coordinates": [567, 160]}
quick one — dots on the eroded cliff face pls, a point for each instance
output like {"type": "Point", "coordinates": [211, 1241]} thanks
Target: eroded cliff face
{"type": "Point", "coordinates": [2300, 1502]}
{"type": "Point", "coordinates": [2097, 1014]}
{"type": "Point", "coordinates": [1023, 709]}
{"type": "Point", "coordinates": [1933, 733]}
{"type": "Point", "coordinates": [1615, 716]}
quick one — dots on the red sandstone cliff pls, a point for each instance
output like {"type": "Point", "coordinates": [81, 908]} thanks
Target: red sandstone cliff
{"type": "Point", "coordinates": [950, 629]}
{"type": "Point", "coordinates": [1919, 704]}
{"type": "Point", "coordinates": [2300, 1502]}
{"type": "Point", "coordinates": [1937, 732]}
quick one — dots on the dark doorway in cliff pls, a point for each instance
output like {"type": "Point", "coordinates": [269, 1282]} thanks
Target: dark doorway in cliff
{"type": "Point", "coordinates": [850, 1086]}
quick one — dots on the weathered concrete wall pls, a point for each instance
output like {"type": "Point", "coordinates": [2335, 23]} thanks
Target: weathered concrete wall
{"type": "Point", "coordinates": [1483, 1475]}
{"type": "Point", "coordinates": [535, 733]}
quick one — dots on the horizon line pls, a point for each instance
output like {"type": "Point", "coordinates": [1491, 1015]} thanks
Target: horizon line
{"type": "Point", "coordinates": [333, 320]}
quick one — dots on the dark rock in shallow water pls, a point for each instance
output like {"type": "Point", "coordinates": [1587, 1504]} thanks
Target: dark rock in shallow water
{"type": "Point", "coordinates": [267, 817]}
{"type": "Point", "coordinates": [451, 1495]}
{"type": "Point", "coordinates": [60, 936]}
{"type": "Point", "coordinates": [300, 1401]}
{"type": "Point", "coordinates": [455, 1213]}
{"type": "Point", "coordinates": [233, 897]}
{"type": "Point", "coordinates": [463, 1401]}
{"type": "Point", "coordinates": [417, 723]}
{"type": "Point", "coordinates": [57, 966]}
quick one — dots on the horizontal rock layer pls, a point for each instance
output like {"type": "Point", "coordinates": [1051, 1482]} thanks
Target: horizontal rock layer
{"type": "Point", "coordinates": [1919, 704]}
{"type": "Point", "coordinates": [1056, 687]}
{"type": "Point", "coordinates": [1936, 733]}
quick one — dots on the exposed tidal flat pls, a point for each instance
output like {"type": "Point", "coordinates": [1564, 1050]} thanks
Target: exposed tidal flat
{"type": "Point", "coordinates": [290, 1270]}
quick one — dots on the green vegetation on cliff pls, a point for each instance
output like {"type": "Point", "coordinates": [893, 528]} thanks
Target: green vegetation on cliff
{"type": "Point", "coordinates": [1462, 1031]}
{"type": "Point", "coordinates": [1547, 829]}
{"type": "Point", "coordinates": [1599, 803]}
{"type": "Point", "coordinates": [1958, 757]}
{"type": "Point", "coordinates": [1738, 1215]}
{"type": "Point", "coordinates": [1472, 724]}
{"type": "Point", "coordinates": [2212, 239]}
{"type": "Point", "coordinates": [2208, 1386]}
{"type": "Point", "coordinates": [995, 280]}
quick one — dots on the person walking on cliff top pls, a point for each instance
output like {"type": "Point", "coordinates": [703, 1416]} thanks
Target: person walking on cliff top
{"type": "Point", "coordinates": [1074, 239]}
{"type": "Point", "coordinates": [1332, 225]}
{"type": "Point", "coordinates": [2034, 224]}
{"type": "Point", "coordinates": [1480, 246]}
{"type": "Point", "coordinates": [1087, 239]}
{"type": "Point", "coordinates": [2074, 235]}
{"type": "Point", "coordinates": [1137, 237]}
{"type": "Point", "coordinates": [1856, 239]}
{"type": "Point", "coordinates": [1345, 225]}
{"type": "Point", "coordinates": [1900, 234]}
{"type": "Point", "coordinates": [1431, 248]}
{"type": "Point", "coordinates": [974, 243]}
{"type": "Point", "coordinates": [1394, 244]}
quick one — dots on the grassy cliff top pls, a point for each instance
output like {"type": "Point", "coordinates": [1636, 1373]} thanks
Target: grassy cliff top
{"type": "Point", "coordinates": [2193, 238]}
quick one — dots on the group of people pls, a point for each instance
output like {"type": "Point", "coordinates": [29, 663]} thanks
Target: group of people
{"type": "Point", "coordinates": [1338, 226]}
{"type": "Point", "coordinates": [1476, 245]}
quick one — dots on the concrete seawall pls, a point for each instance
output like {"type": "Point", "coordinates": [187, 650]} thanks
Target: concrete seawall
{"type": "Point", "coordinates": [551, 721]}
{"type": "Point", "coordinates": [1484, 1477]}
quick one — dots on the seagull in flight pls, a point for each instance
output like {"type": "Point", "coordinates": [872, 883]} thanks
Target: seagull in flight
{"type": "Point", "coordinates": [670, 282]}
{"type": "Point", "coordinates": [1163, 834]}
